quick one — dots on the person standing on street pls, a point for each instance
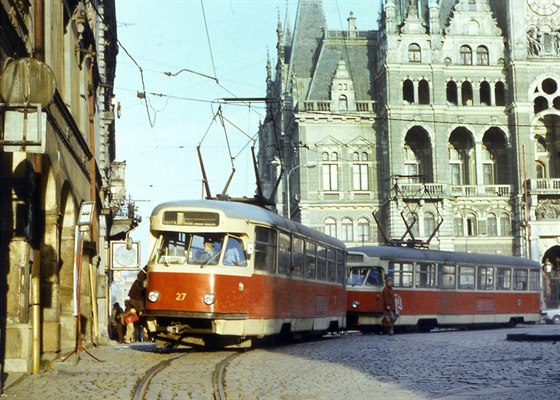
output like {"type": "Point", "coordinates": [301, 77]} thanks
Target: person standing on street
{"type": "Point", "coordinates": [117, 323]}
{"type": "Point", "coordinates": [389, 306]}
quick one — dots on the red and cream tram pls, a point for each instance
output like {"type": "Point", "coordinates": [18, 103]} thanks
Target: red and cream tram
{"type": "Point", "coordinates": [225, 273]}
{"type": "Point", "coordinates": [441, 288]}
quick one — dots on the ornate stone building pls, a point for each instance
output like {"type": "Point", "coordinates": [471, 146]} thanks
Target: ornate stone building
{"type": "Point", "coordinates": [442, 125]}
{"type": "Point", "coordinates": [57, 144]}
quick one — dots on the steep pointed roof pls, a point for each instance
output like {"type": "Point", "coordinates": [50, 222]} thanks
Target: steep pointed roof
{"type": "Point", "coordinates": [307, 34]}
{"type": "Point", "coordinates": [359, 64]}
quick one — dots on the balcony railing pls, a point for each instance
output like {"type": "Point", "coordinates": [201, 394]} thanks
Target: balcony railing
{"type": "Point", "coordinates": [317, 105]}
{"type": "Point", "coordinates": [544, 186]}
{"type": "Point", "coordinates": [439, 190]}
{"type": "Point", "coordinates": [416, 190]}
{"type": "Point", "coordinates": [325, 106]}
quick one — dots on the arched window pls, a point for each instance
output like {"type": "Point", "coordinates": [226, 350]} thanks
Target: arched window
{"type": "Point", "coordinates": [408, 91]}
{"type": "Point", "coordinates": [412, 221]}
{"type": "Point", "coordinates": [505, 225]}
{"type": "Point", "coordinates": [363, 231]}
{"type": "Point", "coordinates": [414, 53]}
{"type": "Point", "coordinates": [482, 55]}
{"type": "Point", "coordinates": [466, 94]}
{"type": "Point", "coordinates": [429, 224]}
{"type": "Point", "coordinates": [472, 227]}
{"type": "Point", "coordinates": [472, 5]}
{"type": "Point", "coordinates": [491, 225]}
{"type": "Point", "coordinates": [541, 171]}
{"type": "Point", "coordinates": [347, 234]}
{"type": "Point", "coordinates": [330, 227]}
{"type": "Point", "coordinates": [423, 92]}
{"type": "Point", "coordinates": [500, 93]}
{"type": "Point", "coordinates": [451, 91]}
{"type": "Point", "coordinates": [485, 94]}
{"type": "Point", "coordinates": [343, 103]}
{"type": "Point", "coordinates": [465, 55]}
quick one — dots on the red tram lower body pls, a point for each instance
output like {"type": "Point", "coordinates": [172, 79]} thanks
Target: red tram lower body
{"type": "Point", "coordinates": [426, 309]}
{"type": "Point", "coordinates": [200, 308]}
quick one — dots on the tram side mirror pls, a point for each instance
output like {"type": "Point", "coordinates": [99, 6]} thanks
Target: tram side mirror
{"type": "Point", "coordinates": [250, 249]}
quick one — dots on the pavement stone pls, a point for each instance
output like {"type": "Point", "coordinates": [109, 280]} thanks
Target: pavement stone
{"type": "Point", "coordinates": [461, 365]}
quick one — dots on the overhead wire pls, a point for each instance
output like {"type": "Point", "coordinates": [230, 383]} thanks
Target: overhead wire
{"type": "Point", "coordinates": [121, 46]}
{"type": "Point", "coordinates": [208, 38]}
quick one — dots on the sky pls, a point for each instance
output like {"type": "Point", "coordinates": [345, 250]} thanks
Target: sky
{"type": "Point", "coordinates": [211, 50]}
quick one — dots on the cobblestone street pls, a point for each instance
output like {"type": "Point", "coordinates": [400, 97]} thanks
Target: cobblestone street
{"type": "Point", "coordinates": [478, 364]}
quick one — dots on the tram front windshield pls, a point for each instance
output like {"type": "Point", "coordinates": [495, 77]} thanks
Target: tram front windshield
{"type": "Point", "coordinates": [365, 276]}
{"type": "Point", "coordinates": [199, 249]}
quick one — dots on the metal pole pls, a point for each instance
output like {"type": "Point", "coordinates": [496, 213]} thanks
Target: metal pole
{"type": "Point", "coordinates": [288, 190]}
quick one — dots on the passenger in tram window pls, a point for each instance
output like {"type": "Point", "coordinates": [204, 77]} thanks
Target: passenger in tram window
{"type": "Point", "coordinates": [389, 306]}
{"type": "Point", "coordinates": [234, 253]}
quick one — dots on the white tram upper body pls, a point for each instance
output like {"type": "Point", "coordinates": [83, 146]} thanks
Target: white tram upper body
{"type": "Point", "coordinates": [441, 288]}
{"type": "Point", "coordinates": [223, 273]}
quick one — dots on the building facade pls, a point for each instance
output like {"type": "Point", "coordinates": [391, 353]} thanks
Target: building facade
{"type": "Point", "coordinates": [439, 129]}
{"type": "Point", "coordinates": [57, 146]}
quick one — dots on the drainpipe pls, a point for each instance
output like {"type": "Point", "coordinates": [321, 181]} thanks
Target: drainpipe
{"type": "Point", "coordinates": [39, 54]}
{"type": "Point", "coordinates": [93, 194]}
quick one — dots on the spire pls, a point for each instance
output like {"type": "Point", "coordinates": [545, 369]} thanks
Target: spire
{"type": "Point", "coordinates": [351, 25]}
{"type": "Point", "coordinates": [280, 38]}
{"type": "Point", "coordinates": [268, 66]}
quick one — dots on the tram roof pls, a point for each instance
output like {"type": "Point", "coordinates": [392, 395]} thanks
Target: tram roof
{"type": "Point", "coordinates": [246, 211]}
{"type": "Point", "coordinates": [411, 254]}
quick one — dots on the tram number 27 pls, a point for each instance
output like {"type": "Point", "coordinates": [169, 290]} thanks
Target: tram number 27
{"type": "Point", "coordinates": [180, 296]}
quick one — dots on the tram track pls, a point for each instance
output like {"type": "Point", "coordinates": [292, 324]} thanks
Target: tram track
{"type": "Point", "coordinates": [141, 387]}
{"type": "Point", "coordinates": [210, 378]}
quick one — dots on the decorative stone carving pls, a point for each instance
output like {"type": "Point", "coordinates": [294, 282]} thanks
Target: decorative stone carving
{"type": "Point", "coordinates": [548, 209]}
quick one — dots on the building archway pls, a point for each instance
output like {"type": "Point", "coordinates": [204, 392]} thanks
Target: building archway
{"type": "Point", "coordinates": [68, 211]}
{"type": "Point", "coordinates": [50, 260]}
{"type": "Point", "coordinates": [551, 276]}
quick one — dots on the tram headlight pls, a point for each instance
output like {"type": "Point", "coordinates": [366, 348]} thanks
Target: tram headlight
{"type": "Point", "coordinates": [355, 304]}
{"type": "Point", "coordinates": [153, 296]}
{"type": "Point", "coordinates": [209, 299]}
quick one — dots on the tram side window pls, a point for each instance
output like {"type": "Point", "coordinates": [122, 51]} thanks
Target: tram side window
{"type": "Point", "coordinates": [520, 279]}
{"type": "Point", "coordinates": [265, 249]}
{"type": "Point", "coordinates": [234, 254]}
{"type": "Point", "coordinates": [375, 277]}
{"type": "Point", "coordinates": [466, 277]}
{"type": "Point", "coordinates": [426, 275]}
{"type": "Point", "coordinates": [485, 278]}
{"type": "Point", "coordinates": [340, 263]}
{"type": "Point", "coordinates": [447, 276]}
{"type": "Point", "coordinates": [534, 280]}
{"type": "Point", "coordinates": [174, 244]}
{"type": "Point", "coordinates": [331, 265]}
{"type": "Point", "coordinates": [310, 260]}
{"type": "Point", "coordinates": [284, 253]}
{"type": "Point", "coordinates": [503, 279]}
{"type": "Point", "coordinates": [357, 275]}
{"type": "Point", "coordinates": [402, 274]}
{"type": "Point", "coordinates": [297, 257]}
{"type": "Point", "coordinates": [205, 249]}
{"type": "Point", "coordinates": [321, 263]}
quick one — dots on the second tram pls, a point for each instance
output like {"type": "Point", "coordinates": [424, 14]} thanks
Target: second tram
{"type": "Point", "coordinates": [441, 288]}
{"type": "Point", "coordinates": [223, 274]}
